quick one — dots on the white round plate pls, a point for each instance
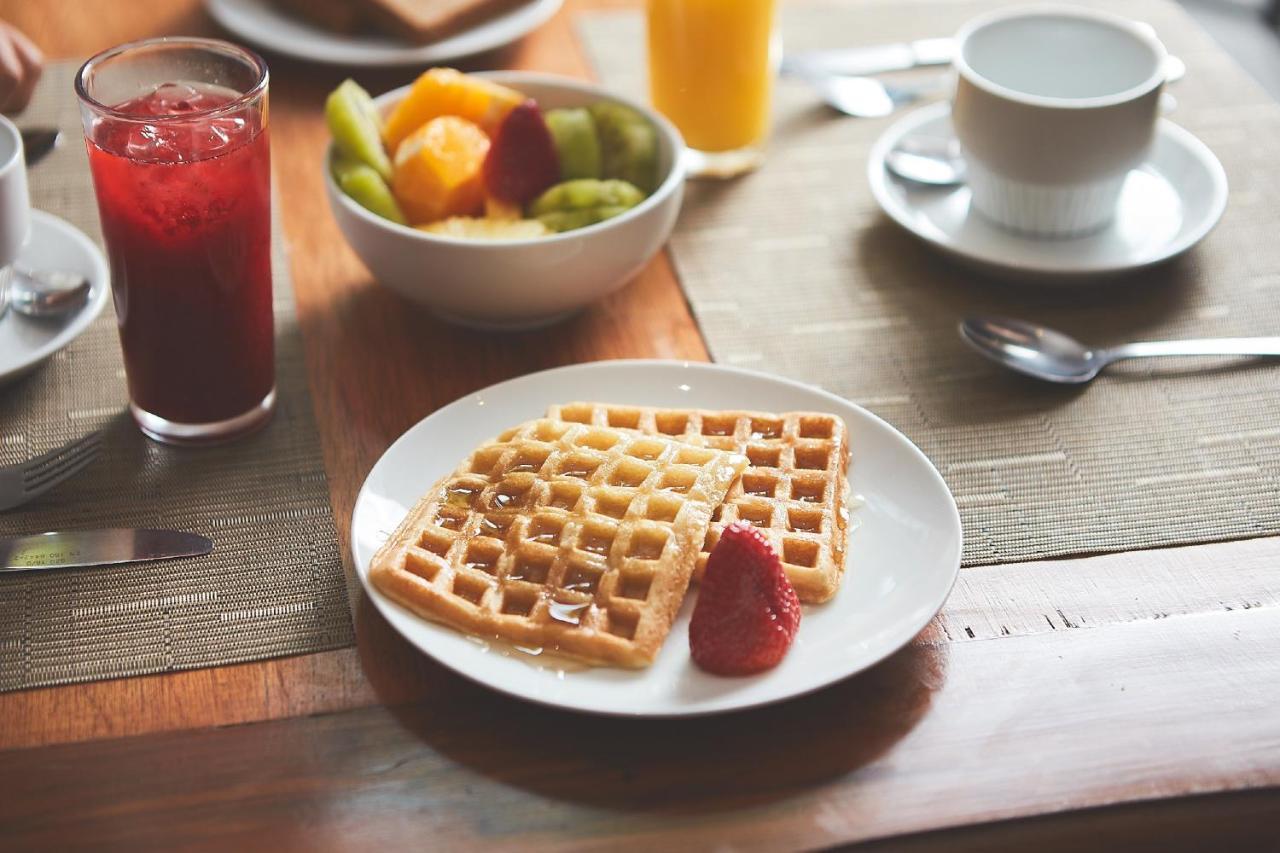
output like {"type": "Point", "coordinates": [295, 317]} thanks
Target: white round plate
{"type": "Point", "coordinates": [264, 24]}
{"type": "Point", "coordinates": [903, 557]}
{"type": "Point", "coordinates": [1168, 204]}
{"type": "Point", "coordinates": [57, 245]}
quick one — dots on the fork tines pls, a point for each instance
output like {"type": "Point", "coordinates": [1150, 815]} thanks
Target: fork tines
{"type": "Point", "coordinates": [46, 471]}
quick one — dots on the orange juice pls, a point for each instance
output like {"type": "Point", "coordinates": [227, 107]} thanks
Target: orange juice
{"type": "Point", "coordinates": [709, 69]}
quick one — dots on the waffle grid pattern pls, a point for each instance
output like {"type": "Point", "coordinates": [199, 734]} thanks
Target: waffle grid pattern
{"type": "Point", "coordinates": [794, 490]}
{"type": "Point", "coordinates": [569, 537]}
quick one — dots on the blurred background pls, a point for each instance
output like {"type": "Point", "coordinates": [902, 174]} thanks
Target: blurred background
{"type": "Point", "coordinates": [1248, 29]}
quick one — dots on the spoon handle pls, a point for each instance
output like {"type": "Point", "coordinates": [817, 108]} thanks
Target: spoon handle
{"type": "Point", "coordinates": [1203, 346]}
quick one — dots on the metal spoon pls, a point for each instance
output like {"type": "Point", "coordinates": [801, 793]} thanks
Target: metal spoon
{"type": "Point", "coordinates": [46, 293]}
{"type": "Point", "coordinates": [866, 97]}
{"type": "Point", "coordinates": [934, 161]}
{"type": "Point", "coordinates": [1054, 357]}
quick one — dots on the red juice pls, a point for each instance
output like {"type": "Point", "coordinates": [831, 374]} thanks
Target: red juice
{"type": "Point", "coordinates": [185, 205]}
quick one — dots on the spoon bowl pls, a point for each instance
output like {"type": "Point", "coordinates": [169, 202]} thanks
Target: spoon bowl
{"type": "Point", "coordinates": [864, 97]}
{"type": "Point", "coordinates": [46, 293]}
{"type": "Point", "coordinates": [1031, 349]}
{"type": "Point", "coordinates": [932, 161]}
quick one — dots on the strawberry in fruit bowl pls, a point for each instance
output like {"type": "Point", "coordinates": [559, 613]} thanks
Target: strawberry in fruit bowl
{"type": "Point", "coordinates": [522, 160]}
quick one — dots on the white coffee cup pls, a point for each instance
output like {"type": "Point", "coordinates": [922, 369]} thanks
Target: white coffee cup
{"type": "Point", "coordinates": [1053, 106]}
{"type": "Point", "coordinates": [15, 204]}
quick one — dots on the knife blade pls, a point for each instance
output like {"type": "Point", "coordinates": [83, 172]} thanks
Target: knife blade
{"type": "Point", "coordinates": [872, 59]}
{"type": "Point", "coordinates": [76, 548]}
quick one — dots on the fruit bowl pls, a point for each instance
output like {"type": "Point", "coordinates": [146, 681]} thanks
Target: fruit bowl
{"type": "Point", "coordinates": [518, 284]}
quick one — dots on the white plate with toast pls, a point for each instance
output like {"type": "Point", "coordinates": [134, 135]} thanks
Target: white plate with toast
{"type": "Point", "coordinates": [266, 25]}
{"type": "Point", "coordinates": [902, 557]}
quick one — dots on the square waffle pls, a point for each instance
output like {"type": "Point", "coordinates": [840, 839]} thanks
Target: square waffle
{"type": "Point", "coordinates": [573, 538]}
{"type": "Point", "coordinates": [795, 489]}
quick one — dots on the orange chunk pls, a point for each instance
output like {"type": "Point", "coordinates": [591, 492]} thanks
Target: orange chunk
{"type": "Point", "coordinates": [438, 170]}
{"type": "Point", "coordinates": [446, 92]}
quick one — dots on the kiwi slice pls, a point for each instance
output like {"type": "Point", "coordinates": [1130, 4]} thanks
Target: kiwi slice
{"type": "Point", "coordinates": [628, 145]}
{"type": "Point", "coordinates": [584, 194]}
{"type": "Point", "coordinates": [356, 126]}
{"type": "Point", "coordinates": [567, 220]}
{"type": "Point", "coordinates": [582, 202]}
{"type": "Point", "coordinates": [577, 143]}
{"type": "Point", "coordinates": [367, 188]}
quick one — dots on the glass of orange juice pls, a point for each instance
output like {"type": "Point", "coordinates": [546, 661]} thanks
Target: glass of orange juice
{"type": "Point", "coordinates": [711, 70]}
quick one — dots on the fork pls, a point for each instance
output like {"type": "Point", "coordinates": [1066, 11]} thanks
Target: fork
{"type": "Point", "coordinates": [28, 480]}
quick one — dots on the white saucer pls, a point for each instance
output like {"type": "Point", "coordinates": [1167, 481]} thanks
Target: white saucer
{"type": "Point", "coordinates": [264, 24]}
{"type": "Point", "coordinates": [54, 244]}
{"type": "Point", "coordinates": [902, 560]}
{"type": "Point", "coordinates": [1168, 205]}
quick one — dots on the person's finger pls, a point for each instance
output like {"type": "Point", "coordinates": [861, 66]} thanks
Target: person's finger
{"type": "Point", "coordinates": [10, 68]}
{"type": "Point", "coordinates": [32, 64]}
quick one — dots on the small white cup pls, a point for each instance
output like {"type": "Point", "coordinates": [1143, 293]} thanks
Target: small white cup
{"type": "Point", "coordinates": [1053, 106]}
{"type": "Point", "coordinates": [15, 205]}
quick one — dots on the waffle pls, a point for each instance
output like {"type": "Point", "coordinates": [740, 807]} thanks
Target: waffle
{"type": "Point", "coordinates": [795, 490]}
{"type": "Point", "coordinates": [572, 538]}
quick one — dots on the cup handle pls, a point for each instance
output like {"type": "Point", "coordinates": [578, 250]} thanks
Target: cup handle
{"type": "Point", "coordinates": [1174, 70]}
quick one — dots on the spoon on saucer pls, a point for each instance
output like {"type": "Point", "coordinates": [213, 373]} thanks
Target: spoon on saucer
{"type": "Point", "coordinates": [934, 161]}
{"type": "Point", "coordinates": [1055, 357]}
{"type": "Point", "coordinates": [46, 293]}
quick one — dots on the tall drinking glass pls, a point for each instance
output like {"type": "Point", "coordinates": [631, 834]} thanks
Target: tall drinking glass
{"type": "Point", "coordinates": [711, 70]}
{"type": "Point", "coordinates": [176, 130]}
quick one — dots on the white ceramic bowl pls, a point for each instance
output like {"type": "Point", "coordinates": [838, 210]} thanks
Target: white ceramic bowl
{"type": "Point", "coordinates": [512, 284]}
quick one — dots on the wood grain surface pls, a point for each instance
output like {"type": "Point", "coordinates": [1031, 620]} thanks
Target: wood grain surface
{"type": "Point", "coordinates": [1086, 693]}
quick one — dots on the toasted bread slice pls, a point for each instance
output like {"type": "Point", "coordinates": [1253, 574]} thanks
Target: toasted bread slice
{"type": "Point", "coordinates": [422, 21]}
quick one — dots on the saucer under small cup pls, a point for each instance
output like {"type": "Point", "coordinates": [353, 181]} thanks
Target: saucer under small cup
{"type": "Point", "coordinates": [1168, 204]}
{"type": "Point", "coordinates": [54, 244]}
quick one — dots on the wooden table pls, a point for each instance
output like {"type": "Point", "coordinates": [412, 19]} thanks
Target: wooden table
{"type": "Point", "coordinates": [1130, 699]}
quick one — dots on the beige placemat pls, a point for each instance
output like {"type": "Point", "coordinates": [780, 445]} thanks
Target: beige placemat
{"type": "Point", "coordinates": [794, 270]}
{"type": "Point", "coordinates": [274, 584]}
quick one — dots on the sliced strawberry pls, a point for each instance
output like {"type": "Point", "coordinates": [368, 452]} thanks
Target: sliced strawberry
{"type": "Point", "coordinates": [522, 161]}
{"type": "Point", "coordinates": [747, 612]}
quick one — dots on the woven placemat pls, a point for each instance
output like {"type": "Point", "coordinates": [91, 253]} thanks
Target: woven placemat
{"type": "Point", "coordinates": [274, 584]}
{"type": "Point", "coordinates": [794, 270]}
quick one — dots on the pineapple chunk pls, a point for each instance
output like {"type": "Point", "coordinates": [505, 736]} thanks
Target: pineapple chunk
{"type": "Point", "coordinates": [495, 208]}
{"type": "Point", "coordinates": [477, 228]}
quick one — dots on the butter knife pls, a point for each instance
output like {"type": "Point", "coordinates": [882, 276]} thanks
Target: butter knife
{"type": "Point", "coordinates": [75, 548]}
{"type": "Point", "coordinates": [872, 59]}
